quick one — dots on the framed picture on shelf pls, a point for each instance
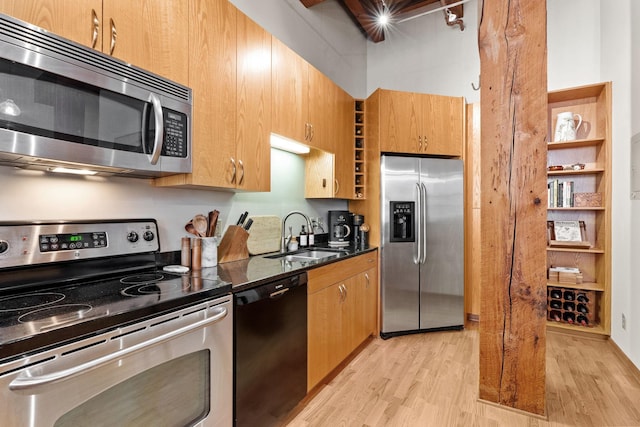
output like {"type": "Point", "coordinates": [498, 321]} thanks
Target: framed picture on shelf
{"type": "Point", "coordinates": [567, 234]}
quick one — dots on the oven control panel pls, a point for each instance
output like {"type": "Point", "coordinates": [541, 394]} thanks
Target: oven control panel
{"type": "Point", "coordinates": [36, 243]}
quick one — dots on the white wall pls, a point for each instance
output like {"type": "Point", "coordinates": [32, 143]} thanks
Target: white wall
{"type": "Point", "coordinates": [34, 195]}
{"type": "Point", "coordinates": [324, 35]}
{"type": "Point", "coordinates": [425, 55]}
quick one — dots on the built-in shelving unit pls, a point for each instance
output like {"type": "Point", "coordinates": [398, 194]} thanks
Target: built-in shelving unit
{"type": "Point", "coordinates": [592, 177]}
{"type": "Point", "coordinates": [359, 166]}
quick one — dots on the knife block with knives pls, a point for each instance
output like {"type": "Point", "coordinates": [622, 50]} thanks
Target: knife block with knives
{"type": "Point", "coordinates": [233, 246]}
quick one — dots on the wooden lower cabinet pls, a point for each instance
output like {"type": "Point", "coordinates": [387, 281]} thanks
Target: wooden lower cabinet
{"type": "Point", "coordinates": [342, 312]}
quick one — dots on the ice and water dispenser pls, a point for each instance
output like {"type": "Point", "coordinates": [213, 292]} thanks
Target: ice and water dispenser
{"type": "Point", "coordinates": [402, 221]}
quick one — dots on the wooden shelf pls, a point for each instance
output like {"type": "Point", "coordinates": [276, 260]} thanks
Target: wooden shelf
{"type": "Point", "coordinates": [574, 144]}
{"type": "Point", "coordinates": [560, 326]}
{"type": "Point", "coordinates": [593, 149]}
{"type": "Point", "coordinates": [587, 286]}
{"type": "Point", "coordinates": [585, 251]}
{"type": "Point", "coordinates": [581, 208]}
{"type": "Point", "coordinates": [577, 172]}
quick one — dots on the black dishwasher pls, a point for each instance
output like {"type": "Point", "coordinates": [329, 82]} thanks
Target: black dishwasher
{"type": "Point", "coordinates": [270, 351]}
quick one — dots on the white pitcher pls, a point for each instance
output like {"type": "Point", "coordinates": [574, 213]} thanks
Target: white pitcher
{"type": "Point", "coordinates": [566, 126]}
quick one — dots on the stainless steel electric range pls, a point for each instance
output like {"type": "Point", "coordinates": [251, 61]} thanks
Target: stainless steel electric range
{"type": "Point", "coordinates": [90, 323]}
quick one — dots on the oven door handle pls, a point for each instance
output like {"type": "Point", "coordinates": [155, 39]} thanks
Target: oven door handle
{"type": "Point", "coordinates": [24, 382]}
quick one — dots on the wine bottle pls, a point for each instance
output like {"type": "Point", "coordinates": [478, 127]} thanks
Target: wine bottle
{"type": "Point", "coordinates": [583, 309]}
{"type": "Point", "coordinates": [556, 293]}
{"type": "Point", "coordinates": [569, 306]}
{"type": "Point", "coordinates": [569, 317]}
{"type": "Point", "coordinates": [582, 298]}
{"type": "Point", "coordinates": [303, 238]}
{"type": "Point", "coordinates": [555, 304]}
{"type": "Point", "coordinates": [582, 320]}
{"type": "Point", "coordinates": [569, 295]}
{"type": "Point", "coordinates": [555, 315]}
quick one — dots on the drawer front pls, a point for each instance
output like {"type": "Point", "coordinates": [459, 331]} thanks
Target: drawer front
{"type": "Point", "coordinates": [322, 277]}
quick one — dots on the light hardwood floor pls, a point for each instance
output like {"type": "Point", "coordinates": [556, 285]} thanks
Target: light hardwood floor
{"type": "Point", "coordinates": [431, 379]}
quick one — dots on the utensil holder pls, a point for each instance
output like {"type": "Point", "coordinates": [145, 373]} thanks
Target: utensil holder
{"type": "Point", "coordinates": [233, 245]}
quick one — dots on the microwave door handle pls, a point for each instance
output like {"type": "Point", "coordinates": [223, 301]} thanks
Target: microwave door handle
{"type": "Point", "coordinates": [26, 382]}
{"type": "Point", "coordinates": [157, 141]}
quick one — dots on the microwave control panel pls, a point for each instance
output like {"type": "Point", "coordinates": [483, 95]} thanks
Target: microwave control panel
{"type": "Point", "coordinates": [175, 134]}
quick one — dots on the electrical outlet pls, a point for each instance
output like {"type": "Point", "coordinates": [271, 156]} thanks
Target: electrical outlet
{"type": "Point", "coordinates": [624, 322]}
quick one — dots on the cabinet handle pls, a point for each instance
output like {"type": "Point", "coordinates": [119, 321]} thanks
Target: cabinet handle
{"type": "Point", "coordinates": [336, 187]}
{"type": "Point", "coordinates": [241, 180]}
{"type": "Point", "coordinates": [311, 132]}
{"type": "Point", "coordinates": [306, 131]}
{"type": "Point", "coordinates": [425, 143]}
{"type": "Point", "coordinates": [366, 276]}
{"type": "Point", "coordinates": [114, 36]}
{"type": "Point", "coordinates": [95, 28]}
{"type": "Point", "coordinates": [345, 292]}
{"type": "Point", "coordinates": [420, 142]}
{"type": "Point", "coordinates": [235, 169]}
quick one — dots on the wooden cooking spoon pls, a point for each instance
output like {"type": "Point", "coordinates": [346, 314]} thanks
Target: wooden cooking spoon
{"type": "Point", "coordinates": [213, 220]}
{"type": "Point", "coordinates": [200, 225]}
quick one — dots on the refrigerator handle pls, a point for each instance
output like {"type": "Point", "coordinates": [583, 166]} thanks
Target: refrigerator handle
{"type": "Point", "coordinates": [417, 259]}
{"type": "Point", "coordinates": [423, 230]}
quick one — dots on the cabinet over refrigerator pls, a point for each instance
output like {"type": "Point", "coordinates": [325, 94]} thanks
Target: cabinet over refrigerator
{"type": "Point", "coordinates": [422, 270]}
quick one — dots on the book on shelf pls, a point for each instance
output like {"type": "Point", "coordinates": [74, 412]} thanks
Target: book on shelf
{"type": "Point", "coordinates": [560, 194]}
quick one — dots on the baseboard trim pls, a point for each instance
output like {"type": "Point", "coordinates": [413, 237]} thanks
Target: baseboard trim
{"type": "Point", "coordinates": [633, 369]}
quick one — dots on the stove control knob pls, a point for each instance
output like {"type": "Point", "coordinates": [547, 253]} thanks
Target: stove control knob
{"type": "Point", "coordinates": [132, 236]}
{"type": "Point", "coordinates": [4, 246]}
{"type": "Point", "coordinates": [148, 236]}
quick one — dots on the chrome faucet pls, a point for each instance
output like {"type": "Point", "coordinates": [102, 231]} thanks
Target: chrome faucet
{"type": "Point", "coordinates": [283, 240]}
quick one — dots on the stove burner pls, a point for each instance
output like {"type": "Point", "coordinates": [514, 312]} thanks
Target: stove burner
{"type": "Point", "coordinates": [164, 288]}
{"type": "Point", "coordinates": [29, 301]}
{"type": "Point", "coordinates": [56, 314]}
{"type": "Point", "coordinates": [142, 279]}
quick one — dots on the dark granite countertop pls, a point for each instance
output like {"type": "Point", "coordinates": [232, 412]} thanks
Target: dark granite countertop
{"type": "Point", "coordinates": [257, 270]}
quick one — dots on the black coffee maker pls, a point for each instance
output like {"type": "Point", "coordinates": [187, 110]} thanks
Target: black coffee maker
{"type": "Point", "coordinates": [340, 228]}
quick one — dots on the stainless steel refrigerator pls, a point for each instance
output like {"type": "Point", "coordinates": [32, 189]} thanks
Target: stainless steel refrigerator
{"type": "Point", "coordinates": [422, 269]}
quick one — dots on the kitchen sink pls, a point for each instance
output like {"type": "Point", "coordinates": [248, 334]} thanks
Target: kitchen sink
{"type": "Point", "coordinates": [308, 255]}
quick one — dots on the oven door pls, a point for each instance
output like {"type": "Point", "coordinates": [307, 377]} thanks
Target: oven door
{"type": "Point", "coordinates": [173, 370]}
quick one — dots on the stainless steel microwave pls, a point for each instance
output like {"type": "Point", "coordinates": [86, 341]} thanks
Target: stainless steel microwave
{"type": "Point", "coordinates": [64, 104]}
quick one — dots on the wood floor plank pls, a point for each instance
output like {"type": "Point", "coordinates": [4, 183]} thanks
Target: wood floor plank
{"type": "Point", "coordinates": [432, 380]}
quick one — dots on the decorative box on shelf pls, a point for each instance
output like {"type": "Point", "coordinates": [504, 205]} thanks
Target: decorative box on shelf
{"type": "Point", "coordinates": [565, 275]}
{"type": "Point", "coordinates": [590, 200]}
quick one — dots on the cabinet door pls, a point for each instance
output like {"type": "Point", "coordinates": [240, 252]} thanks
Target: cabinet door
{"type": "Point", "coordinates": [212, 76]}
{"type": "Point", "coordinates": [324, 322]}
{"type": "Point", "coordinates": [149, 34]}
{"type": "Point", "coordinates": [442, 125]}
{"type": "Point", "coordinates": [77, 20]}
{"type": "Point", "coordinates": [289, 86]}
{"type": "Point", "coordinates": [370, 302]}
{"type": "Point", "coordinates": [319, 174]}
{"type": "Point", "coordinates": [398, 122]}
{"type": "Point", "coordinates": [354, 314]}
{"type": "Point", "coordinates": [253, 106]}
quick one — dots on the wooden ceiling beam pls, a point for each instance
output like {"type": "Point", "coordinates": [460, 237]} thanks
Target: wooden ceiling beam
{"type": "Point", "coordinates": [309, 3]}
{"type": "Point", "coordinates": [366, 19]}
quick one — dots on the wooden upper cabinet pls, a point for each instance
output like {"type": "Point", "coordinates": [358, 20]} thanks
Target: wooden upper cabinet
{"type": "Point", "coordinates": [212, 77]}
{"type": "Point", "coordinates": [289, 89]}
{"type": "Point", "coordinates": [230, 74]}
{"type": "Point", "coordinates": [344, 146]}
{"type": "Point", "coordinates": [77, 20]}
{"type": "Point", "coordinates": [149, 34]}
{"type": "Point", "coordinates": [421, 123]}
{"type": "Point", "coordinates": [253, 104]}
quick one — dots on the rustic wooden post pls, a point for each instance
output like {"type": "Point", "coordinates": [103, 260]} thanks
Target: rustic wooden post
{"type": "Point", "coordinates": [513, 62]}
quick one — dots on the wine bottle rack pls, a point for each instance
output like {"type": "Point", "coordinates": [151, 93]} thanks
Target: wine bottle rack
{"type": "Point", "coordinates": [572, 306]}
{"type": "Point", "coordinates": [359, 150]}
